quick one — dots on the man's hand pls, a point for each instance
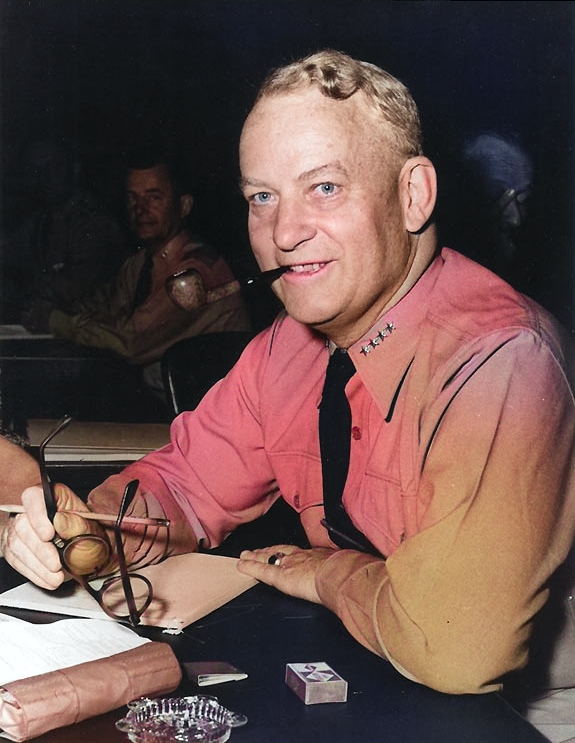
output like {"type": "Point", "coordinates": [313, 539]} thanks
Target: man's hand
{"type": "Point", "coordinates": [294, 571]}
{"type": "Point", "coordinates": [27, 540]}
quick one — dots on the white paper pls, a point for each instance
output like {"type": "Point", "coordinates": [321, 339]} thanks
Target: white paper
{"type": "Point", "coordinates": [185, 587]}
{"type": "Point", "coordinates": [69, 598]}
{"type": "Point", "coordinates": [28, 649]}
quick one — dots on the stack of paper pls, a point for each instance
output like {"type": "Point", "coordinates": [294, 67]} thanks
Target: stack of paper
{"type": "Point", "coordinates": [31, 649]}
{"type": "Point", "coordinates": [186, 588]}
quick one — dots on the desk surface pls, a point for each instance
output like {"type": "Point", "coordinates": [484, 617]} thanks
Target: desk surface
{"type": "Point", "coordinates": [261, 631]}
{"type": "Point", "coordinates": [33, 348]}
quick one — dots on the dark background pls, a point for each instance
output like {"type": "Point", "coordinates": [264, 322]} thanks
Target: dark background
{"type": "Point", "coordinates": [103, 74]}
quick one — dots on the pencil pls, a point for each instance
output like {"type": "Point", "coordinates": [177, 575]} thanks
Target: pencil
{"type": "Point", "coordinates": [97, 516]}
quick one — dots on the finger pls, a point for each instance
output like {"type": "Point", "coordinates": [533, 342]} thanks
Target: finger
{"type": "Point", "coordinates": [295, 575]}
{"type": "Point", "coordinates": [33, 502]}
{"type": "Point", "coordinates": [264, 555]}
{"type": "Point", "coordinates": [28, 546]}
{"type": "Point", "coordinates": [82, 558]}
{"type": "Point", "coordinates": [34, 559]}
{"type": "Point", "coordinates": [261, 570]}
{"type": "Point", "coordinates": [36, 572]}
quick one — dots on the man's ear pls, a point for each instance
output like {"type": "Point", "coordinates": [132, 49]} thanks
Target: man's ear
{"type": "Point", "coordinates": [186, 203]}
{"type": "Point", "coordinates": [417, 192]}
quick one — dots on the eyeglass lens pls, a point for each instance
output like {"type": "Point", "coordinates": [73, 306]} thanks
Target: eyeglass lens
{"type": "Point", "coordinates": [113, 597]}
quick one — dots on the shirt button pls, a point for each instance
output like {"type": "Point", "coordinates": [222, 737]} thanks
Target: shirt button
{"type": "Point", "coordinates": [296, 501]}
{"type": "Point", "coordinates": [356, 432]}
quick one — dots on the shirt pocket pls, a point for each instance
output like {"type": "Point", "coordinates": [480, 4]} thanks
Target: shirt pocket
{"type": "Point", "coordinates": [299, 479]}
{"type": "Point", "coordinates": [380, 511]}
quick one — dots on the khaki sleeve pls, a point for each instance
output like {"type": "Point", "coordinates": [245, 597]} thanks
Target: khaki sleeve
{"type": "Point", "coordinates": [102, 318]}
{"type": "Point", "coordinates": [453, 606]}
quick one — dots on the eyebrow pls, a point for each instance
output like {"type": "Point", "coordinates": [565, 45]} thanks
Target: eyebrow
{"type": "Point", "coordinates": [307, 175]}
{"type": "Point", "coordinates": [335, 166]}
{"type": "Point", "coordinates": [146, 190]}
{"type": "Point", "coordinates": [245, 182]}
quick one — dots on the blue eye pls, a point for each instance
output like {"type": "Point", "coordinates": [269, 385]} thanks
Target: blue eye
{"type": "Point", "coordinates": [263, 197]}
{"type": "Point", "coordinates": [327, 188]}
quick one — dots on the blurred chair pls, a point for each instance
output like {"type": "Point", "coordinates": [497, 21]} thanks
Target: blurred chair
{"type": "Point", "coordinates": [191, 366]}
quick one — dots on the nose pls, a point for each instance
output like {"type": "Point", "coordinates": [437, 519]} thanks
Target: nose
{"type": "Point", "coordinates": [292, 225]}
{"type": "Point", "coordinates": [140, 207]}
{"type": "Point", "coordinates": [137, 206]}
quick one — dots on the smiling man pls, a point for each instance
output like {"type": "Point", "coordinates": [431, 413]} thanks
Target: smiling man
{"type": "Point", "coordinates": [449, 501]}
{"type": "Point", "coordinates": [323, 181]}
{"type": "Point", "coordinates": [133, 314]}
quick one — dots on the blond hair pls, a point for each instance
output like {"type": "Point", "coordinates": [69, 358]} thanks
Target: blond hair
{"type": "Point", "coordinates": [338, 76]}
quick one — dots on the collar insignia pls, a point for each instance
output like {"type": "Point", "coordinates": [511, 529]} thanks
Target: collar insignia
{"type": "Point", "coordinates": [374, 342]}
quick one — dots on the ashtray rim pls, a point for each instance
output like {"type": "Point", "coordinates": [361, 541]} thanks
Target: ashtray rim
{"type": "Point", "coordinates": [179, 719]}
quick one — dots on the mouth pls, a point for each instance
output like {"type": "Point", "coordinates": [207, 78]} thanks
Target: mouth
{"type": "Point", "coordinates": [306, 268]}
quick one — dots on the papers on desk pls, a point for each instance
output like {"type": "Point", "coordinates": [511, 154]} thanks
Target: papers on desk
{"type": "Point", "coordinates": [32, 649]}
{"type": "Point", "coordinates": [73, 669]}
{"type": "Point", "coordinates": [85, 441]}
{"type": "Point", "coordinates": [19, 332]}
{"type": "Point", "coordinates": [186, 588]}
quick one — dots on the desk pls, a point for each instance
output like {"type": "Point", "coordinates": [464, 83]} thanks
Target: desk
{"type": "Point", "coordinates": [260, 632]}
{"type": "Point", "coordinates": [42, 377]}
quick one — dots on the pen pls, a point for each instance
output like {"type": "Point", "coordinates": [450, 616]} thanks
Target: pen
{"type": "Point", "coordinates": [97, 516]}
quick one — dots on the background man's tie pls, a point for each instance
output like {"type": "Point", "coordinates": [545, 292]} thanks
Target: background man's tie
{"type": "Point", "coordinates": [334, 440]}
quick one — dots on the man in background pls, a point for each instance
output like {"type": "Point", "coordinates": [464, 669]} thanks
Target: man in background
{"type": "Point", "coordinates": [133, 315]}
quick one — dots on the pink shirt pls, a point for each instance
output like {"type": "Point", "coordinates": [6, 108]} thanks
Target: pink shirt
{"type": "Point", "coordinates": [461, 471]}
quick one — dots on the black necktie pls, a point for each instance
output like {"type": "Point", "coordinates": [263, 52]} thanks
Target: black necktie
{"type": "Point", "coordinates": [144, 284]}
{"type": "Point", "coordinates": [334, 440]}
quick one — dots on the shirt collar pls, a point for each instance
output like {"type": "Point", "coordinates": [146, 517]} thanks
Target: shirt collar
{"type": "Point", "coordinates": [384, 353]}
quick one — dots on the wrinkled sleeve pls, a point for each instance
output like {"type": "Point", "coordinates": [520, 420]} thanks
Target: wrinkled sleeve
{"type": "Point", "coordinates": [102, 318]}
{"type": "Point", "coordinates": [213, 475]}
{"type": "Point", "coordinates": [106, 319]}
{"type": "Point", "coordinates": [453, 606]}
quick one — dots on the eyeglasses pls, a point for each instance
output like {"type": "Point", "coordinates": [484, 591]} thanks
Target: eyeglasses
{"type": "Point", "coordinates": [125, 597]}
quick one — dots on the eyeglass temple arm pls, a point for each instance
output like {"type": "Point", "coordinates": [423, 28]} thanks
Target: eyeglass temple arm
{"type": "Point", "coordinates": [129, 494]}
{"type": "Point", "coordinates": [49, 498]}
{"type": "Point", "coordinates": [127, 498]}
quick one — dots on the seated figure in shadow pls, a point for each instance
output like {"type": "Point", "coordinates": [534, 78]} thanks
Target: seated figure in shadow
{"type": "Point", "coordinates": [133, 314]}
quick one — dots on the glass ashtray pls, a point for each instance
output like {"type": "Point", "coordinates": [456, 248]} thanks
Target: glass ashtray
{"type": "Point", "coordinates": [197, 719]}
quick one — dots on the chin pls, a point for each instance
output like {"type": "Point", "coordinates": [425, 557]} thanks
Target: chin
{"type": "Point", "coordinates": [148, 237]}
{"type": "Point", "coordinates": [318, 320]}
